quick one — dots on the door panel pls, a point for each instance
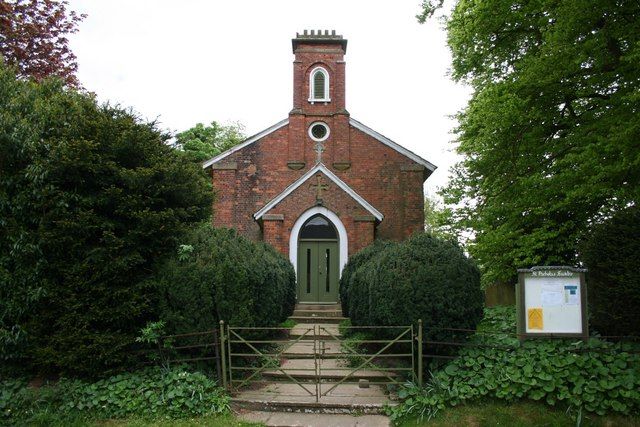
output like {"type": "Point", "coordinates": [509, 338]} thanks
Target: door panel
{"type": "Point", "coordinates": [308, 272]}
{"type": "Point", "coordinates": [328, 271]}
{"type": "Point", "coordinates": [318, 271]}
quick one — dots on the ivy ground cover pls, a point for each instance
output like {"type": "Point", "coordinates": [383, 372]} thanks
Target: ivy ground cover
{"type": "Point", "coordinates": [148, 394]}
{"type": "Point", "coordinates": [591, 377]}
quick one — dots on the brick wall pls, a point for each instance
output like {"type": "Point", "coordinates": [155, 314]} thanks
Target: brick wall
{"type": "Point", "coordinates": [248, 179]}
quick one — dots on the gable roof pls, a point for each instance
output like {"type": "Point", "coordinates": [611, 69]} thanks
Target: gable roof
{"type": "Point", "coordinates": [246, 142]}
{"type": "Point", "coordinates": [399, 148]}
{"type": "Point", "coordinates": [356, 124]}
{"type": "Point", "coordinates": [297, 183]}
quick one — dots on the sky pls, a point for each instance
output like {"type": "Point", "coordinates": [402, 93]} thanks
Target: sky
{"type": "Point", "coordinates": [185, 62]}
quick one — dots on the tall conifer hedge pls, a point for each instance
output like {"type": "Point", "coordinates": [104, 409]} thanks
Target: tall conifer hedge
{"type": "Point", "coordinates": [90, 197]}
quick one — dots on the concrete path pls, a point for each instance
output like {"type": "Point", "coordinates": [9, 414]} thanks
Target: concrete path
{"type": "Point", "coordinates": [343, 394]}
{"type": "Point", "coordinates": [286, 419]}
{"type": "Point", "coordinates": [314, 360]}
{"type": "Point", "coordinates": [325, 330]}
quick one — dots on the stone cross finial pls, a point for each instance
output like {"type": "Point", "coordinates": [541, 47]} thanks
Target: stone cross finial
{"type": "Point", "coordinates": [319, 150]}
{"type": "Point", "coordinates": [319, 187]}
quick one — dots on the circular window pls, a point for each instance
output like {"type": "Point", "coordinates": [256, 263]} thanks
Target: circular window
{"type": "Point", "coordinates": [319, 131]}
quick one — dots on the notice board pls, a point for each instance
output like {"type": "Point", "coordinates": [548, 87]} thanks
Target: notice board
{"type": "Point", "coordinates": [551, 301]}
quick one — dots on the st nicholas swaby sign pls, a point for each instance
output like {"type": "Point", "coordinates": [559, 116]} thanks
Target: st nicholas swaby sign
{"type": "Point", "coordinates": [552, 301]}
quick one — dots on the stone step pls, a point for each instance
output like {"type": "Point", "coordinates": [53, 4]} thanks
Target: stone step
{"type": "Point", "coordinates": [315, 313]}
{"type": "Point", "coordinates": [306, 348]}
{"type": "Point", "coordinates": [296, 419]}
{"type": "Point", "coordinates": [328, 370]}
{"type": "Point", "coordinates": [324, 331]}
{"type": "Point", "coordinates": [267, 405]}
{"type": "Point", "coordinates": [325, 307]}
{"type": "Point", "coordinates": [317, 319]}
{"type": "Point", "coordinates": [343, 399]}
{"type": "Point", "coordinates": [329, 376]}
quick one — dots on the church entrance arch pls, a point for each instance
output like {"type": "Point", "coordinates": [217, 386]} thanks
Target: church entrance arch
{"type": "Point", "coordinates": [318, 241]}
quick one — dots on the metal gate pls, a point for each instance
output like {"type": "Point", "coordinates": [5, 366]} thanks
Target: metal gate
{"type": "Point", "coordinates": [367, 360]}
{"type": "Point", "coordinates": [318, 358]}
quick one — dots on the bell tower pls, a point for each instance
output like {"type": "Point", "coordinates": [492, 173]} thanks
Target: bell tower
{"type": "Point", "coordinates": [319, 121]}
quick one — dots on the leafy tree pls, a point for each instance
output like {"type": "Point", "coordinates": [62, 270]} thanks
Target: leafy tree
{"type": "Point", "coordinates": [33, 38]}
{"type": "Point", "coordinates": [436, 217]}
{"type": "Point", "coordinates": [90, 197]}
{"type": "Point", "coordinates": [550, 135]}
{"type": "Point", "coordinates": [203, 142]}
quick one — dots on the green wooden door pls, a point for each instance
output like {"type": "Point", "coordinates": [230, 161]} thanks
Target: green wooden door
{"type": "Point", "coordinates": [318, 271]}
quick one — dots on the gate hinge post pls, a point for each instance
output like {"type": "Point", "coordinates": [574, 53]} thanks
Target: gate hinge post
{"type": "Point", "coordinates": [420, 352]}
{"type": "Point", "coordinates": [223, 355]}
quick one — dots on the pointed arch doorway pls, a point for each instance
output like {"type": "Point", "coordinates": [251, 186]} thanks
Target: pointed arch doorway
{"type": "Point", "coordinates": [318, 241]}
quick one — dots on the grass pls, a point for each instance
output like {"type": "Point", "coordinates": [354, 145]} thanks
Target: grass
{"type": "Point", "coordinates": [521, 414]}
{"type": "Point", "coordinates": [210, 421]}
{"type": "Point", "coordinates": [289, 323]}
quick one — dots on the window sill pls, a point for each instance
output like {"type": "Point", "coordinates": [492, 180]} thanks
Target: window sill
{"type": "Point", "coordinates": [313, 101]}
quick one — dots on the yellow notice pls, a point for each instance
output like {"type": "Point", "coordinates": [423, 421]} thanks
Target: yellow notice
{"type": "Point", "coordinates": [534, 315]}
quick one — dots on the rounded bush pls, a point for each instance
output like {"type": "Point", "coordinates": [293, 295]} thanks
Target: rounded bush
{"type": "Point", "coordinates": [424, 277]}
{"type": "Point", "coordinates": [219, 275]}
{"type": "Point", "coordinates": [612, 255]}
{"type": "Point", "coordinates": [353, 264]}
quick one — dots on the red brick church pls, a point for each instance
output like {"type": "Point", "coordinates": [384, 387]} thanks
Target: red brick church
{"type": "Point", "coordinates": [319, 185]}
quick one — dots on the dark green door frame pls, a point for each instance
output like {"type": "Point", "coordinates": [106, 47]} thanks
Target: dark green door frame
{"type": "Point", "coordinates": [318, 271]}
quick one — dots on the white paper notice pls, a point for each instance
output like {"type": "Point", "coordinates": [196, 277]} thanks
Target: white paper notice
{"type": "Point", "coordinates": [552, 295]}
{"type": "Point", "coordinates": [571, 295]}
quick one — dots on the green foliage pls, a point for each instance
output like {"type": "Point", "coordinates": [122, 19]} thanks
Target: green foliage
{"type": "Point", "coordinates": [354, 263]}
{"type": "Point", "coordinates": [225, 277]}
{"type": "Point", "coordinates": [352, 346]}
{"type": "Point", "coordinates": [151, 333]}
{"type": "Point", "coordinates": [498, 320]}
{"type": "Point", "coordinates": [517, 414]}
{"type": "Point", "coordinates": [427, 9]}
{"type": "Point", "coordinates": [596, 376]}
{"type": "Point", "coordinates": [203, 142]}
{"type": "Point", "coordinates": [148, 393]}
{"type": "Point", "coordinates": [90, 197]}
{"type": "Point", "coordinates": [423, 277]}
{"type": "Point", "coordinates": [288, 323]}
{"type": "Point", "coordinates": [611, 253]}
{"type": "Point", "coordinates": [436, 217]}
{"type": "Point", "coordinates": [550, 136]}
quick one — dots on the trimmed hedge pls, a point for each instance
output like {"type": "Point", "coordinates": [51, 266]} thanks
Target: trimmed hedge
{"type": "Point", "coordinates": [219, 275]}
{"type": "Point", "coordinates": [612, 254]}
{"type": "Point", "coordinates": [352, 266]}
{"type": "Point", "coordinates": [90, 197]}
{"type": "Point", "coordinates": [423, 277]}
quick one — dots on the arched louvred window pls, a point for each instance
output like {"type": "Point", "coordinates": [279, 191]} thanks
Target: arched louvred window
{"type": "Point", "coordinates": [319, 85]}
{"type": "Point", "coordinates": [318, 227]}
